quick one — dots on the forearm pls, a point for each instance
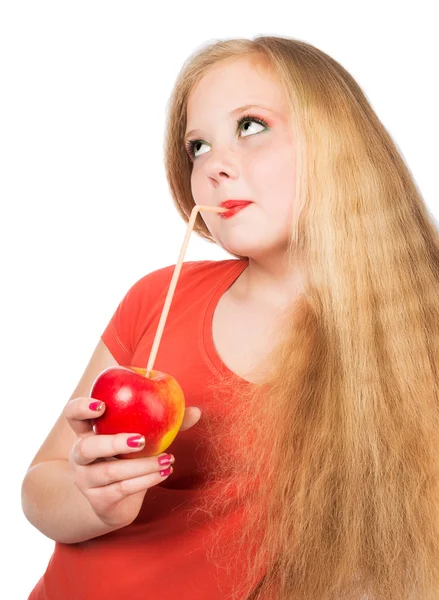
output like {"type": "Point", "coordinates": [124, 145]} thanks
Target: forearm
{"type": "Point", "coordinates": [54, 505]}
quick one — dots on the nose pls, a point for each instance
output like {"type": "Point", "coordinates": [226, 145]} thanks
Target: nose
{"type": "Point", "coordinates": [221, 163]}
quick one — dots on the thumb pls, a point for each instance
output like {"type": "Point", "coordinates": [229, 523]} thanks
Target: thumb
{"type": "Point", "coordinates": [192, 415]}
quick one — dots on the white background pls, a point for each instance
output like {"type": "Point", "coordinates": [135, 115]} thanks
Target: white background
{"type": "Point", "coordinates": [85, 206]}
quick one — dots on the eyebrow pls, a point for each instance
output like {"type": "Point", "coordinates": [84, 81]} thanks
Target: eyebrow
{"type": "Point", "coordinates": [233, 113]}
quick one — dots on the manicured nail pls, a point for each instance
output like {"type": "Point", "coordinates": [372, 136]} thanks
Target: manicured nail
{"type": "Point", "coordinates": [166, 459]}
{"type": "Point", "coordinates": [136, 441]}
{"type": "Point", "coordinates": [166, 472]}
{"type": "Point", "coordinates": [96, 405]}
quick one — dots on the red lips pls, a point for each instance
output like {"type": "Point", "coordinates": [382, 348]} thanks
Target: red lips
{"type": "Point", "coordinates": [234, 203]}
{"type": "Point", "coordinates": [230, 212]}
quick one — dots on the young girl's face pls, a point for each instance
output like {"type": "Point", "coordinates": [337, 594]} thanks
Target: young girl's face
{"type": "Point", "coordinates": [251, 160]}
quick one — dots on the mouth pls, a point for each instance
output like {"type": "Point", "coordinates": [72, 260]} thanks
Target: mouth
{"type": "Point", "coordinates": [233, 203]}
{"type": "Point", "coordinates": [233, 207]}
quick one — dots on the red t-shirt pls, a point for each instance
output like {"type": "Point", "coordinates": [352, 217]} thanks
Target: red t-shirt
{"type": "Point", "coordinates": [160, 555]}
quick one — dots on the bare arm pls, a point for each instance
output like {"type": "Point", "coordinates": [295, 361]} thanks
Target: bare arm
{"type": "Point", "coordinates": [50, 499]}
{"type": "Point", "coordinates": [56, 507]}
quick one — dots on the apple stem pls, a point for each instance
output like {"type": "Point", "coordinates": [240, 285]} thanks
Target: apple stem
{"type": "Point", "coordinates": [172, 285]}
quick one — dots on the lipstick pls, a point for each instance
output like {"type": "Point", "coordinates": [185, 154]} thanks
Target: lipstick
{"type": "Point", "coordinates": [234, 206]}
{"type": "Point", "coordinates": [232, 211]}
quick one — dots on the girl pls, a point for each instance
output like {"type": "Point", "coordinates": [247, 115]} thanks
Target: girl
{"type": "Point", "coordinates": [313, 473]}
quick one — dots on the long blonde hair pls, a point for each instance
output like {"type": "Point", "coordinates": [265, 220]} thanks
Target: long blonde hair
{"type": "Point", "coordinates": [335, 455]}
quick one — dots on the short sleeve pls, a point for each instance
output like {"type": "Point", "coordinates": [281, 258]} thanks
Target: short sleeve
{"type": "Point", "coordinates": [125, 327]}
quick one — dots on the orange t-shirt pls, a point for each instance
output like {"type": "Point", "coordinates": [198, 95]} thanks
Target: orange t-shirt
{"type": "Point", "coordinates": [161, 554]}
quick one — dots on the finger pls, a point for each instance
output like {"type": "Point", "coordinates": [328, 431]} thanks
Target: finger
{"type": "Point", "coordinates": [192, 415]}
{"type": "Point", "coordinates": [79, 414]}
{"type": "Point", "coordinates": [118, 491]}
{"type": "Point", "coordinates": [108, 472]}
{"type": "Point", "coordinates": [87, 449]}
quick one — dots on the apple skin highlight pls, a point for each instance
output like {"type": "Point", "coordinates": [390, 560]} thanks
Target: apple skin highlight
{"type": "Point", "coordinates": [151, 406]}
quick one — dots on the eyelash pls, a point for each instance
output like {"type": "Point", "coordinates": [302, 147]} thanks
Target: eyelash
{"type": "Point", "coordinates": [191, 143]}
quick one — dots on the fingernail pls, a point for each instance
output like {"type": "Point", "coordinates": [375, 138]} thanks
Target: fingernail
{"type": "Point", "coordinates": [166, 459]}
{"type": "Point", "coordinates": [136, 441]}
{"type": "Point", "coordinates": [96, 405]}
{"type": "Point", "coordinates": [166, 472]}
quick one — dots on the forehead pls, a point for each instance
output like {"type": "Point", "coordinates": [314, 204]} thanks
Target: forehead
{"type": "Point", "coordinates": [235, 82]}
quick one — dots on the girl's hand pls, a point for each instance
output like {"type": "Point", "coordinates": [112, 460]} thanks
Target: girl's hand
{"type": "Point", "coordinates": [114, 487]}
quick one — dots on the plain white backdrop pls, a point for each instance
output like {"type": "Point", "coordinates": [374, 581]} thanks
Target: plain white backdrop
{"type": "Point", "coordinates": [85, 205]}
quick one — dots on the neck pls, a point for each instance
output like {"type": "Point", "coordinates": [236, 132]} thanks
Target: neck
{"type": "Point", "coordinates": [271, 282]}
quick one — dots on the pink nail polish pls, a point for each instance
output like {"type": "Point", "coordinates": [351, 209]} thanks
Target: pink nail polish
{"type": "Point", "coordinates": [96, 405]}
{"type": "Point", "coordinates": [165, 460]}
{"type": "Point", "coordinates": [166, 472]}
{"type": "Point", "coordinates": [135, 441]}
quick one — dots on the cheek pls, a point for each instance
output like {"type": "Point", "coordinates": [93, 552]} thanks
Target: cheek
{"type": "Point", "coordinates": [198, 185]}
{"type": "Point", "coordinates": [269, 162]}
{"type": "Point", "coordinates": [272, 167]}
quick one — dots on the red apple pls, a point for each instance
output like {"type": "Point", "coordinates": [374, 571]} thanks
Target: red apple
{"type": "Point", "coordinates": [151, 406]}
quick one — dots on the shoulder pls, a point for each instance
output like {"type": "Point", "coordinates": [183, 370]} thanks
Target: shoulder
{"type": "Point", "coordinates": [212, 266]}
{"type": "Point", "coordinates": [155, 283]}
{"type": "Point", "coordinates": [188, 269]}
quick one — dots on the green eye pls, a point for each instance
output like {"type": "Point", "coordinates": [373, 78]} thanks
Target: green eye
{"type": "Point", "coordinates": [191, 144]}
